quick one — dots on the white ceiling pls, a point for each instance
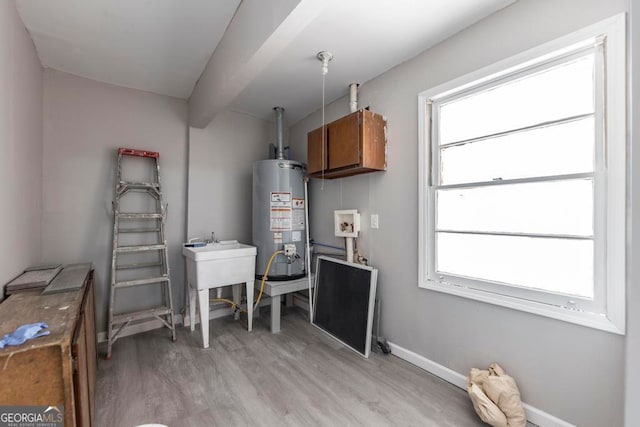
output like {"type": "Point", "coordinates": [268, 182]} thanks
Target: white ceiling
{"type": "Point", "coordinates": [367, 38]}
{"type": "Point", "coordinates": [159, 46]}
{"type": "Point", "coordinates": [162, 46]}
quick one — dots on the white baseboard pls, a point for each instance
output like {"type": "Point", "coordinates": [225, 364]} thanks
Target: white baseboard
{"type": "Point", "coordinates": [534, 415]}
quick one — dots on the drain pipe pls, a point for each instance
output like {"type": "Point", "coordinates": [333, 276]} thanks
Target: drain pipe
{"type": "Point", "coordinates": [353, 97]}
{"type": "Point", "coordinates": [279, 133]}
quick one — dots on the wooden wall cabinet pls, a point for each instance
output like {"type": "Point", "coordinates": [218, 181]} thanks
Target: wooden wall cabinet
{"type": "Point", "coordinates": [354, 144]}
{"type": "Point", "coordinates": [58, 369]}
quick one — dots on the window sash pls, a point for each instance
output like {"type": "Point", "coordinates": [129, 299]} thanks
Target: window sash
{"type": "Point", "coordinates": [584, 229]}
{"type": "Point", "coordinates": [595, 46]}
{"type": "Point", "coordinates": [535, 126]}
{"type": "Point", "coordinates": [540, 64]}
{"type": "Point", "coordinates": [595, 305]}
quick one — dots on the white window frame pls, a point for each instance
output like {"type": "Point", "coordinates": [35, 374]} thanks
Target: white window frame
{"type": "Point", "coordinates": [607, 310]}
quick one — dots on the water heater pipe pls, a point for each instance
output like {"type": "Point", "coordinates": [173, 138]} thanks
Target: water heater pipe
{"type": "Point", "coordinates": [353, 97]}
{"type": "Point", "coordinates": [349, 244]}
{"type": "Point", "coordinates": [279, 133]}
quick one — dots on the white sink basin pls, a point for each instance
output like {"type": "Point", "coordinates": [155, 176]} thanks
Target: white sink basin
{"type": "Point", "coordinates": [220, 264]}
{"type": "Point", "coordinates": [219, 251]}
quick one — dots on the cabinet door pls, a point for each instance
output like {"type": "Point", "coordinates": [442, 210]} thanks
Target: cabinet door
{"type": "Point", "coordinates": [85, 355]}
{"type": "Point", "coordinates": [80, 377]}
{"type": "Point", "coordinates": [89, 317]}
{"type": "Point", "coordinates": [374, 141]}
{"type": "Point", "coordinates": [316, 162]}
{"type": "Point", "coordinates": [344, 142]}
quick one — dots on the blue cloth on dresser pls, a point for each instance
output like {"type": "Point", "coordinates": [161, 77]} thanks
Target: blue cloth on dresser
{"type": "Point", "coordinates": [24, 333]}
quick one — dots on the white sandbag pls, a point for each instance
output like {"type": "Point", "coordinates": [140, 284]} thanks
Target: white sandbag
{"type": "Point", "coordinates": [485, 408]}
{"type": "Point", "coordinates": [503, 391]}
{"type": "Point", "coordinates": [495, 386]}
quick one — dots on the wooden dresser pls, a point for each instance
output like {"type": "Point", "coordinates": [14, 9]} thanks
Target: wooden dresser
{"type": "Point", "coordinates": [58, 369]}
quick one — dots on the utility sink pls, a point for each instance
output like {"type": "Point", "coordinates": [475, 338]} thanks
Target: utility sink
{"type": "Point", "coordinates": [216, 265]}
{"type": "Point", "coordinates": [219, 251]}
{"type": "Point", "coordinates": [220, 264]}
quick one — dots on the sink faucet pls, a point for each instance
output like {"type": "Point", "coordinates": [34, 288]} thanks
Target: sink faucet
{"type": "Point", "coordinates": [213, 238]}
{"type": "Point", "coordinates": [207, 241]}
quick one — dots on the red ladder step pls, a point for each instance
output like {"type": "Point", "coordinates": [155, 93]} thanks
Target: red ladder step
{"type": "Point", "coordinates": [139, 153]}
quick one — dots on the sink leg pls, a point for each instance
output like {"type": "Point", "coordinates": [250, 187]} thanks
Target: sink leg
{"type": "Point", "coordinates": [192, 308]}
{"type": "Point", "coordinates": [203, 300]}
{"type": "Point", "coordinates": [250, 305]}
{"type": "Point", "coordinates": [237, 295]}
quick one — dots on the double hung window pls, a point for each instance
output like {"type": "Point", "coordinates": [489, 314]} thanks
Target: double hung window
{"type": "Point", "coordinates": [523, 181]}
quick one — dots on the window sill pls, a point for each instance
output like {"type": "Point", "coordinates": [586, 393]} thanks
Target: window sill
{"type": "Point", "coordinates": [591, 320]}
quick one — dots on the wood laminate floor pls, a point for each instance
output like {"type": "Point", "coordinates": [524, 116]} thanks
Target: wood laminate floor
{"type": "Point", "coordinates": [298, 377]}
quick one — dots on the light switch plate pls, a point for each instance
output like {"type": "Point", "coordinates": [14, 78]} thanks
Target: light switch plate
{"type": "Point", "coordinates": [374, 221]}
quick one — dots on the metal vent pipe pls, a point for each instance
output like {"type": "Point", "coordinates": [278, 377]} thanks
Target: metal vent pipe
{"type": "Point", "coordinates": [353, 97]}
{"type": "Point", "coordinates": [279, 133]}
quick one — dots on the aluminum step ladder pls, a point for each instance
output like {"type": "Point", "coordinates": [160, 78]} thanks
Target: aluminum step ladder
{"type": "Point", "coordinates": [143, 260]}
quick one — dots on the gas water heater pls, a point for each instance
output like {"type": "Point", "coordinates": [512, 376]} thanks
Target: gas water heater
{"type": "Point", "coordinates": [279, 213]}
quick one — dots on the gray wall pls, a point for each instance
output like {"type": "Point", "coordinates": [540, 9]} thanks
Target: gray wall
{"type": "Point", "coordinates": [632, 372]}
{"type": "Point", "coordinates": [570, 371]}
{"type": "Point", "coordinates": [84, 122]}
{"type": "Point", "coordinates": [221, 160]}
{"type": "Point", "coordinates": [20, 147]}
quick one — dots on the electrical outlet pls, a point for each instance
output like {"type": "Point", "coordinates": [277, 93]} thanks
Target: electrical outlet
{"type": "Point", "coordinates": [374, 221]}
